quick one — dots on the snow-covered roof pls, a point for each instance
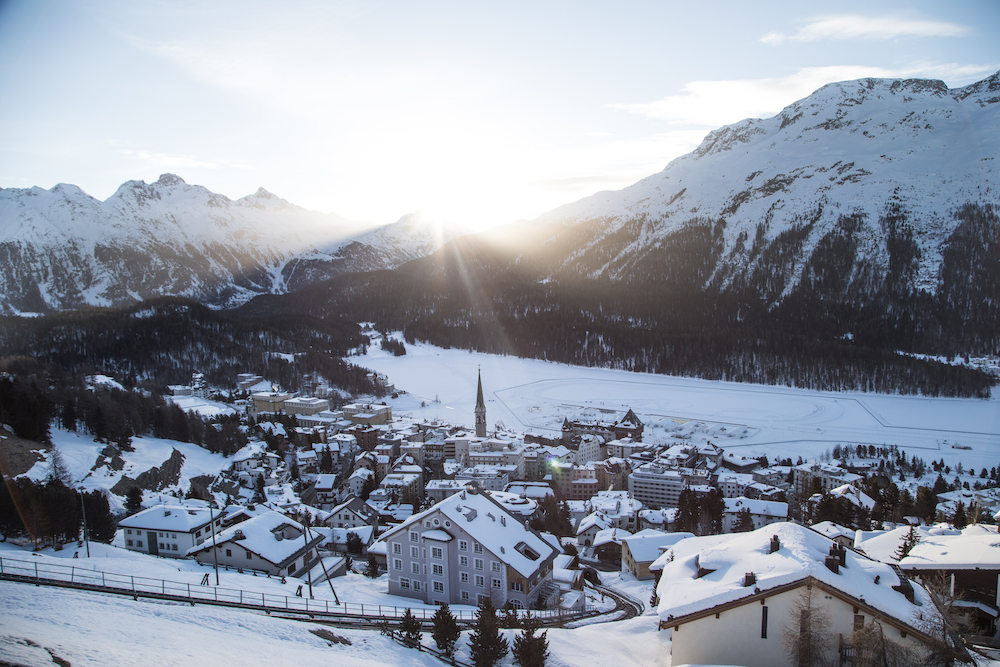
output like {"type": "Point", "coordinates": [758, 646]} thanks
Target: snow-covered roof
{"type": "Point", "coordinates": [260, 536]}
{"type": "Point", "coordinates": [609, 535]}
{"type": "Point", "coordinates": [758, 507]}
{"type": "Point", "coordinates": [491, 525]}
{"type": "Point", "coordinates": [975, 547]}
{"type": "Point", "coordinates": [856, 496]}
{"type": "Point", "coordinates": [591, 521]}
{"type": "Point", "coordinates": [647, 545]}
{"type": "Point", "coordinates": [175, 518]}
{"type": "Point", "coordinates": [833, 530]}
{"type": "Point", "coordinates": [702, 573]}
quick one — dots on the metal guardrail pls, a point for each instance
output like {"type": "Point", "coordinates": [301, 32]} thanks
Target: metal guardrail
{"type": "Point", "coordinates": [67, 576]}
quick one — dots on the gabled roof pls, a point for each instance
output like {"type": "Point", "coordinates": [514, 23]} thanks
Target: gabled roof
{"type": "Point", "coordinates": [702, 574]}
{"type": "Point", "coordinates": [486, 521]}
{"type": "Point", "coordinates": [630, 419]}
{"type": "Point", "coordinates": [259, 536]}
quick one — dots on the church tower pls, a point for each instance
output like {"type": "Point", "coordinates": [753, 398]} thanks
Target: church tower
{"type": "Point", "coordinates": [480, 410]}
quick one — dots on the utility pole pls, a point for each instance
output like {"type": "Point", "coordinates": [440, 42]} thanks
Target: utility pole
{"type": "Point", "coordinates": [215, 546]}
{"type": "Point", "coordinates": [83, 505]}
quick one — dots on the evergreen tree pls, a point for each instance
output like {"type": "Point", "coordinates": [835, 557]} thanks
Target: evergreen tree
{"type": "Point", "coordinates": [326, 462]}
{"type": "Point", "coordinates": [353, 544]}
{"type": "Point", "coordinates": [371, 571]}
{"type": "Point", "coordinates": [688, 511]}
{"type": "Point", "coordinates": [446, 632]}
{"type": "Point", "coordinates": [133, 500]}
{"type": "Point", "coordinates": [101, 524]}
{"type": "Point", "coordinates": [960, 520]}
{"type": "Point", "coordinates": [744, 521]}
{"type": "Point", "coordinates": [910, 540]}
{"type": "Point", "coordinates": [486, 645]}
{"type": "Point", "coordinates": [529, 650]}
{"type": "Point", "coordinates": [409, 628]}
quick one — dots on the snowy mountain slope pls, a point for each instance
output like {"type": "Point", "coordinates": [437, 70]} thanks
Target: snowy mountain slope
{"type": "Point", "coordinates": [861, 148]}
{"type": "Point", "coordinates": [61, 248]}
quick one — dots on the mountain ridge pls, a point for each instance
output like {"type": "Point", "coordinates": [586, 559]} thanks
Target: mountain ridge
{"type": "Point", "coordinates": [62, 248]}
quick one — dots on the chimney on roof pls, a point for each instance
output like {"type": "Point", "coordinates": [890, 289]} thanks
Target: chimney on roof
{"type": "Point", "coordinates": [832, 561]}
{"type": "Point", "coordinates": [775, 544]}
{"type": "Point", "coordinates": [749, 579]}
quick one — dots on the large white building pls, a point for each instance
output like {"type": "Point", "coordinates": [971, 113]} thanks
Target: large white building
{"type": "Point", "coordinates": [170, 530]}
{"type": "Point", "coordinates": [468, 548]}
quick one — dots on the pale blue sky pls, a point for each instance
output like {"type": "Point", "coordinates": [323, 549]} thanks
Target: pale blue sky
{"type": "Point", "coordinates": [469, 112]}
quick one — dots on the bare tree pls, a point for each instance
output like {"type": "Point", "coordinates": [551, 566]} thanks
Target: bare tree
{"type": "Point", "coordinates": [806, 637]}
{"type": "Point", "coordinates": [945, 627]}
{"type": "Point", "coordinates": [873, 649]}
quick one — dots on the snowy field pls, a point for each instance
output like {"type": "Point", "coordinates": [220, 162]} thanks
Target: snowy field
{"type": "Point", "coordinates": [95, 629]}
{"type": "Point", "coordinates": [532, 395]}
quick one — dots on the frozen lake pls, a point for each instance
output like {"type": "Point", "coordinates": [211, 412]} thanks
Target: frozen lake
{"type": "Point", "coordinates": [533, 395]}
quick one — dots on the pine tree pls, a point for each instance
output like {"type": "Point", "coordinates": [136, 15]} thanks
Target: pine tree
{"type": "Point", "coordinates": [960, 520]}
{"type": "Point", "coordinates": [744, 521]}
{"type": "Point", "coordinates": [446, 632]}
{"type": "Point", "coordinates": [101, 523]}
{"type": "Point", "coordinates": [909, 541]}
{"type": "Point", "coordinates": [529, 650]}
{"type": "Point", "coordinates": [372, 570]}
{"type": "Point", "coordinates": [486, 645]}
{"type": "Point", "coordinates": [409, 627]}
{"type": "Point", "coordinates": [133, 500]}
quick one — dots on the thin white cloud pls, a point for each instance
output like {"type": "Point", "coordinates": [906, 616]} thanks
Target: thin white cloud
{"type": "Point", "coordinates": [856, 26]}
{"type": "Point", "coordinates": [710, 104]}
{"type": "Point", "coordinates": [174, 161]}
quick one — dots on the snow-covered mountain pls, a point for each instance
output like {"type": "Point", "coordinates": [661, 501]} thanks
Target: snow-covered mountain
{"type": "Point", "coordinates": [857, 150]}
{"type": "Point", "coordinates": [62, 248]}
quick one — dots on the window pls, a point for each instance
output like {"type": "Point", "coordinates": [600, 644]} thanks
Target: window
{"type": "Point", "coordinates": [438, 587]}
{"type": "Point", "coordinates": [496, 566]}
{"type": "Point", "coordinates": [415, 568]}
{"type": "Point", "coordinates": [291, 567]}
{"type": "Point", "coordinates": [173, 536]}
{"type": "Point", "coordinates": [128, 543]}
{"type": "Point", "coordinates": [438, 570]}
{"type": "Point", "coordinates": [138, 543]}
{"type": "Point", "coordinates": [463, 561]}
{"type": "Point", "coordinates": [397, 548]}
{"type": "Point", "coordinates": [197, 533]}
{"type": "Point", "coordinates": [463, 577]}
{"type": "Point", "coordinates": [414, 536]}
{"type": "Point", "coordinates": [480, 581]}
{"type": "Point", "coordinates": [229, 553]}
{"type": "Point", "coordinates": [479, 563]}
{"type": "Point", "coordinates": [416, 585]}
{"type": "Point", "coordinates": [128, 532]}
{"type": "Point", "coordinates": [159, 534]}
{"type": "Point", "coordinates": [516, 586]}
{"type": "Point", "coordinates": [462, 545]}
{"type": "Point", "coordinates": [404, 584]}
{"type": "Point", "coordinates": [161, 546]}
{"type": "Point", "coordinates": [859, 622]}
{"type": "Point", "coordinates": [414, 552]}
{"type": "Point", "coordinates": [249, 555]}
{"type": "Point", "coordinates": [173, 547]}
{"type": "Point", "coordinates": [497, 583]}
{"type": "Point", "coordinates": [397, 564]}
{"type": "Point", "coordinates": [465, 596]}
{"type": "Point", "coordinates": [763, 622]}
{"type": "Point", "coordinates": [437, 552]}
{"type": "Point", "coordinates": [478, 548]}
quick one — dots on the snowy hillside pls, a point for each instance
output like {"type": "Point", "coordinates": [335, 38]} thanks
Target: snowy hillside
{"type": "Point", "coordinates": [850, 149]}
{"type": "Point", "coordinates": [62, 248]}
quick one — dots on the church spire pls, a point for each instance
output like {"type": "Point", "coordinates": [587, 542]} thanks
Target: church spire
{"type": "Point", "coordinates": [480, 409]}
